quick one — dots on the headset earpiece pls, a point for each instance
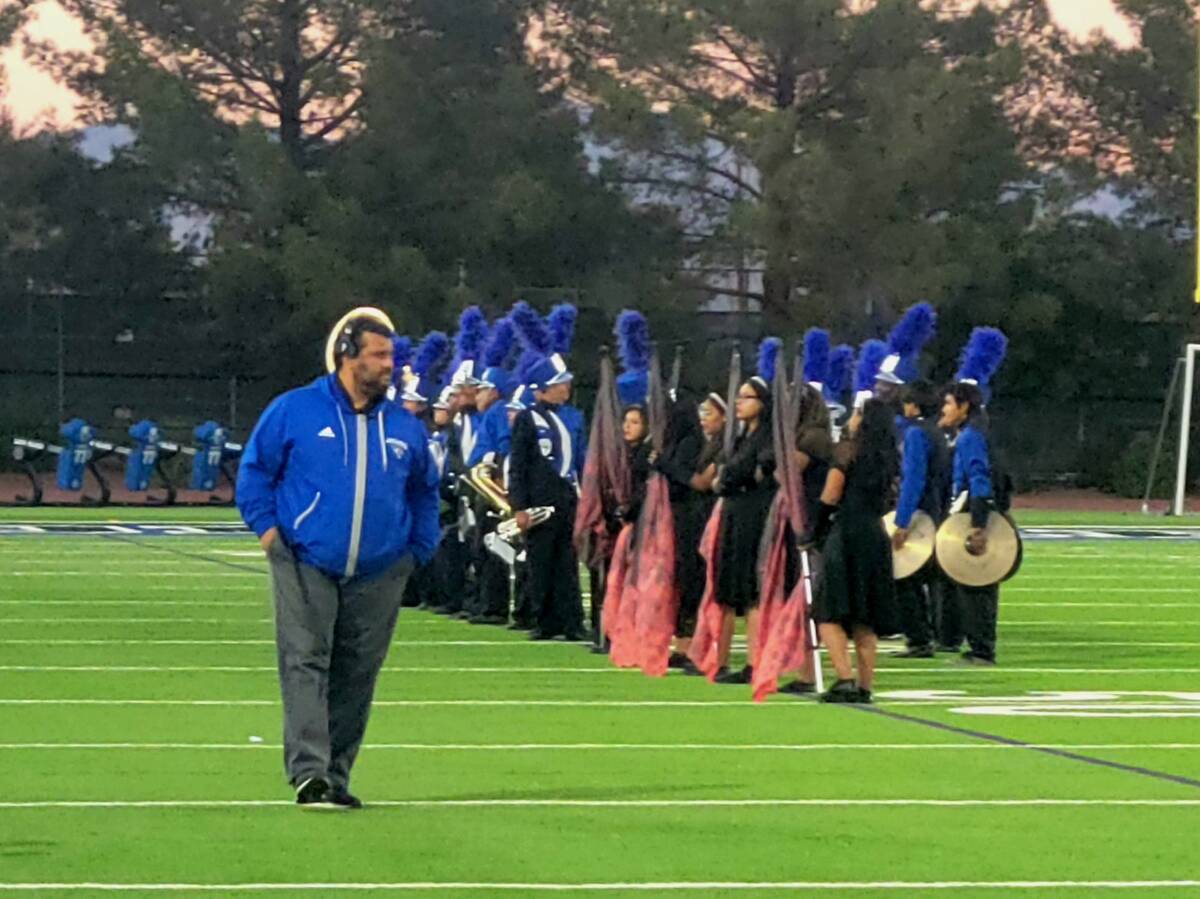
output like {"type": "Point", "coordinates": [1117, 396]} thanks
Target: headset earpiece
{"type": "Point", "coordinates": [347, 345]}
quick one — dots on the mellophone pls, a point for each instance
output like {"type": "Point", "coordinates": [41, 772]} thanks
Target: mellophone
{"type": "Point", "coordinates": [1000, 561]}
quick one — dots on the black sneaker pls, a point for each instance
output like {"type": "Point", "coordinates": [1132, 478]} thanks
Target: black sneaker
{"type": "Point", "coordinates": [915, 652]}
{"type": "Point", "coordinates": [600, 649]}
{"type": "Point", "coordinates": [461, 615]}
{"type": "Point", "coordinates": [539, 634]}
{"type": "Point", "coordinates": [343, 798]}
{"type": "Point", "coordinates": [678, 661]}
{"type": "Point", "coordinates": [799, 688]}
{"type": "Point", "coordinates": [577, 635]}
{"type": "Point", "coordinates": [743, 676]}
{"type": "Point", "coordinates": [844, 691]}
{"type": "Point", "coordinates": [946, 647]}
{"type": "Point", "coordinates": [864, 696]}
{"type": "Point", "coordinates": [520, 626]}
{"type": "Point", "coordinates": [314, 793]}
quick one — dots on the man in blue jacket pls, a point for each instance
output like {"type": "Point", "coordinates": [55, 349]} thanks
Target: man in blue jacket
{"type": "Point", "coordinates": [339, 487]}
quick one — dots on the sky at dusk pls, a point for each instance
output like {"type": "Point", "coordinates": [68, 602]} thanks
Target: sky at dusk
{"type": "Point", "coordinates": [35, 100]}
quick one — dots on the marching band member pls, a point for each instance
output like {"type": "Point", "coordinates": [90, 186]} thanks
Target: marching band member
{"type": "Point", "coordinates": [542, 473]}
{"type": "Point", "coordinates": [855, 596]}
{"type": "Point", "coordinates": [491, 448]}
{"type": "Point", "coordinates": [963, 414]}
{"type": "Point", "coordinates": [747, 483]}
{"type": "Point", "coordinates": [924, 465]}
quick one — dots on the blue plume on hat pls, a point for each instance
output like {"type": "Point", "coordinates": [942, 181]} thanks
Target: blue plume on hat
{"type": "Point", "coordinates": [431, 354]}
{"type": "Point", "coordinates": [982, 356]}
{"type": "Point", "coordinates": [633, 340]}
{"type": "Point", "coordinates": [499, 344]}
{"type": "Point", "coordinates": [841, 364]}
{"type": "Point", "coordinates": [913, 331]}
{"type": "Point", "coordinates": [525, 366]}
{"type": "Point", "coordinates": [531, 330]}
{"type": "Point", "coordinates": [816, 356]}
{"type": "Point", "coordinates": [402, 350]}
{"type": "Point", "coordinates": [472, 332]}
{"type": "Point", "coordinates": [561, 322]}
{"type": "Point", "coordinates": [870, 357]}
{"type": "Point", "coordinates": [768, 358]}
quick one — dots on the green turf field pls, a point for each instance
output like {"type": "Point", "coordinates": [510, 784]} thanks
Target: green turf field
{"type": "Point", "coordinates": [137, 678]}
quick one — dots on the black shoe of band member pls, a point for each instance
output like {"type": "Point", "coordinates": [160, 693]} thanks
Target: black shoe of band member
{"type": "Point", "coordinates": [520, 626]}
{"type": "Point", "coordinates": [799, 688]}
{"type": "Point", "coordinates": [677, 661]}
{"type": "Point", "coordinates": [970, 658]}
{"type": "Point", "coordinates": [946, 647]}
{"type": "Point", "coordinates": [743, 676]}
{"type": "Point", "coordinates": [864, 696]}
{"type": "Point", "coordinates": [577, 635]}
{"type": "Point", "coordinates": [915, 652]}
{"type": "Point", "coordinates": [487, 619]}
{"type": "Point", "coordinates": [844, 691]}
{"type": "Point", "coordinates": [537, 634]}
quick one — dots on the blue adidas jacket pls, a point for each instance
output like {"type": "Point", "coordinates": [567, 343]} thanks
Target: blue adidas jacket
{"type": "Point", "coordinates": [351, 493]}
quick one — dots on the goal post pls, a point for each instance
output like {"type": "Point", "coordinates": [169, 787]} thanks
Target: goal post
{"type": "Point", "coordinates": [1185, 425]}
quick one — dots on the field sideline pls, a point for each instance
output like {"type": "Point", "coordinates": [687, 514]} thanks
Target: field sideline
{"type": "Point", "coordinates": [139, 726]}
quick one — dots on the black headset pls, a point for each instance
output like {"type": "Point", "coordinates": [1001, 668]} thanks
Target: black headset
{"type": "Point", "coordinates": [347, 346]}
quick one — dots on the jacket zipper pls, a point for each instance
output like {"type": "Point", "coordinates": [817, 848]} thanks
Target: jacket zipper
{"type": "Point", "coordinates": [360, 493]}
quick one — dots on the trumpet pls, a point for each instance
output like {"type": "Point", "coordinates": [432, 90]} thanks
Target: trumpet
{"type": "Point", "coordinates": [482, 479]}
{"type": "Point", "coordinates": [508, 531]}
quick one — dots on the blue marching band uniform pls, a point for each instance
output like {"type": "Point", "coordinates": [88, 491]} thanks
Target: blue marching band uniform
{"type": "Point", "coordinates": [493, 405]}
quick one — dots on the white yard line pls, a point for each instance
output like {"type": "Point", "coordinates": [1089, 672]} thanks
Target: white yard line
{"type": "Point", "coordinates": [1016, 703]}
{"type": "Point", "coordinates": [794, 886]}
{"type": "Point", "coordinates": [630, 747]}
{"type": "Point", "coordinates": [608, 803]}
{"type": "Point", "coordinates": [545, 643]}
{"type": "Point", "coordinates": [205, 572]}
{"type": "Point", "coordinates": [501, 669]}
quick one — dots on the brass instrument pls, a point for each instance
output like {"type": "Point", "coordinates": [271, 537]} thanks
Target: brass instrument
{"type": "Point", "coordinates": [482, 479]}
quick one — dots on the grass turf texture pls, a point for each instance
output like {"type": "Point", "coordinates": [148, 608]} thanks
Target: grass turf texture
{"type": "Point", "coordinates": [479, 714]}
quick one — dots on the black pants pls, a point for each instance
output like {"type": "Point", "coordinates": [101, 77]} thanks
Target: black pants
{"type": "Point", "coordinates": [980, 611]}
{"type": "Point", "coordinates": [450, 570]}
{"type": "Point", "coordinates": [552, 585]}
{"type": "Point", "coordinates": [947, 611]}
{"type": "Point", "coordinates": [597, 584]}
{"type": "Point", "coordinates": [421, 587]}
{"type": "Point", "coordinates": [522, 613]}
{"type": "Point", "coordinates": [491, 573]}
{"type": "Point", "coordinates": [916, 608]}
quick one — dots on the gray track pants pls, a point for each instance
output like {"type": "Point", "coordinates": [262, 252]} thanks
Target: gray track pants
{"type": "Point", "coordinates": [332, 639]}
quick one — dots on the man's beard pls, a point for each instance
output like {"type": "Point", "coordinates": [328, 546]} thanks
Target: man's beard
{"type": "Point", "coordinates": [373, 388]}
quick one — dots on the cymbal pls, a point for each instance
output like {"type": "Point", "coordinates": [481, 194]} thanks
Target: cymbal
{"type": "Point", "coordinates": [998, 563]}
{"type": "Point", "coordinates": [361, 312]}
{"type": "Point", "coordinates": [917, 549]}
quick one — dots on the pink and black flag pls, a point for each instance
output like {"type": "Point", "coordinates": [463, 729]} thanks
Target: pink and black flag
{"type": "Point", "coordinates": [783, 613]}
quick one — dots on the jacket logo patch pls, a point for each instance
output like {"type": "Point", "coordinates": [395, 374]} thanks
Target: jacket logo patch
{"type": "Point", "coordinates": [398, 447]}
{"type": "Point", "coordinates": [327, 432]}
{"type": "Point", "coordinates": [546, 447]}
